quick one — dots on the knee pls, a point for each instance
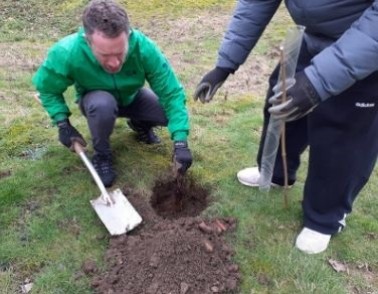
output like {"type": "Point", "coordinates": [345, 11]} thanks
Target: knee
{"type": "Point", "coordinates": [100, 103]}
{"type": "Point", "coordinates": [163, 122]}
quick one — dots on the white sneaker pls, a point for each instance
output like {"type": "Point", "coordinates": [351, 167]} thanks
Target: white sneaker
{"type": "Point", "coordinates": [312, 242]}
{"type": "Point", "coordinates": [250, 176]}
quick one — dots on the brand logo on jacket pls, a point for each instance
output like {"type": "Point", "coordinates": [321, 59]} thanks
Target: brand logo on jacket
{"type": "Point", "coordinates": [365, 105]}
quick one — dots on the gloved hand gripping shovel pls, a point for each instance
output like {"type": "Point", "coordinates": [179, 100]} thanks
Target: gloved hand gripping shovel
{"type": "Point", "coordinates": [113, 208]}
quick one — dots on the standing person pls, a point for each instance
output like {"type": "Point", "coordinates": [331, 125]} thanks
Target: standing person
{"type": "Point", "coordinates": [109, 62]}
{"type": "Point", "coordinates": [332, 107]}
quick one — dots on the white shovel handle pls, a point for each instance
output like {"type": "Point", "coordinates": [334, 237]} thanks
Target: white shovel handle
{"type": "Point", "coordinates": [80, 151]}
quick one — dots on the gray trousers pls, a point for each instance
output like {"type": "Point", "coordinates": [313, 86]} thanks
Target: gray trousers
{"type": "Point", "coordinates": [101, 110]}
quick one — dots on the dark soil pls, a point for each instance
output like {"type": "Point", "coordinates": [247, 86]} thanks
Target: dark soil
{"type": "Point", "coordinates": [5, 174]}
{"type": "Point", "coordinates": [173, 251]}
{"type": "Point", "coordinates": [181, 197]}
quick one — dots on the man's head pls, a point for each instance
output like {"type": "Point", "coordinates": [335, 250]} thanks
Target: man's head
{"type": "Point", "coordinates": [106, 27]}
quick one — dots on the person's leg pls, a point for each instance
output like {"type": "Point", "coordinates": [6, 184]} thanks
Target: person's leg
{"type": "Point", "coordinates": [144, 113]}
{"type": "Point", "coordinates": [100, 109]}
{"type": "Point", "coordinates": [343, 134]}
{"type": "Point", "coordinates": [343, 139]}
{"type": "Point", "coordinates": [296, 138]}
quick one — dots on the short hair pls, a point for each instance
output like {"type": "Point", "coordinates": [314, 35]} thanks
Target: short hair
{"type": "Point", "coordinates": [105, 16]}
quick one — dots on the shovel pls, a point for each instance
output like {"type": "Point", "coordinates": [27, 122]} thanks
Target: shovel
{"type": "Point", "coordinates": [114, 210]}
{"type": "Point", "coordinates": [178, 178]}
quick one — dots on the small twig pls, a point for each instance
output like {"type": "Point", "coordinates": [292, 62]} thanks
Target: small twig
{"type": "Point", "coordinates": [283, 129]}
{"type": "Point", "coordinates": [225, 96]}
{"type": "Point", "coordinates": [36, 98]}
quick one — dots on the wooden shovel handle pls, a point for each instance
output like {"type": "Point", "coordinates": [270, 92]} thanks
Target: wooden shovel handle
{"type": "Point", "coordinates": [78, 147]}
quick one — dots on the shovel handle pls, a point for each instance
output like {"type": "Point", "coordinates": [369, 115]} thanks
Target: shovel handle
{"type": "Point", "coordinates": [79, 149]}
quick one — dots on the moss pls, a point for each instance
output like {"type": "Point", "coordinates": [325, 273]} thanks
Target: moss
{"type": "Point", "coordinates": [17, 134]}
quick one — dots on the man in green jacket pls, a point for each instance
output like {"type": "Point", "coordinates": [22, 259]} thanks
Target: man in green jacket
{"type": "Point", "coordinates": [108, 63]}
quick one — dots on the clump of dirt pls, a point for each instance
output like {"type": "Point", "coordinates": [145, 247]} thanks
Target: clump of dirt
{"type": "Point", "coordinates": [179, 197]}
{"type": "Point", "coordinates": [5, 174]}
{"type": "Point", "coordinates": [183, 255]}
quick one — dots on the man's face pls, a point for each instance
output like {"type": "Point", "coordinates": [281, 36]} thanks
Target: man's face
{"type": "Point", "coordinates": [110, 52]}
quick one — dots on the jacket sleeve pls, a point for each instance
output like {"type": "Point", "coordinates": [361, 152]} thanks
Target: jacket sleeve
{"type": "Point", "coordinates": [51, 81]}
{"type": "Point", "coordinates": [352, 57]}
{"type": "Point", "coordinates": [165, 84]}
{"type": "Point", "coordinates": [244, 30]}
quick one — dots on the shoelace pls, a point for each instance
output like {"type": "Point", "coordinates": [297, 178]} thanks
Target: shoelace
{"type": "Point", "coordinates": [103, 166]}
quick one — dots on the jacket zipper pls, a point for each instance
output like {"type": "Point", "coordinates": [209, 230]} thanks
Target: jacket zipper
{"type": "Point", "coordinates": [116, 88]}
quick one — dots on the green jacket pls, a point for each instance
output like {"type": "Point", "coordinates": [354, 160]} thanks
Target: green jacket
{"type": "Point", "coordinates": [71, 62]}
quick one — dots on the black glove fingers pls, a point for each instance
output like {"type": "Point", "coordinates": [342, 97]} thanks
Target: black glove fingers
{"type": "Point", "coordinates": [210, 83]}
{"type": "Point", "coordinates": [79, 139]}
{"type": "Point", "coordinates": [182, 157]}
{"type": "Point", "coordinates": [212, 92]}
{"type": "Point", "coordinates": [283, 110]}
{"type": "Point", "coordinates": [298, 115]}
{"type": "Point", "coordinates": [275, 99]}
{"type": "Point", "coordinates": [202, 92]}
{"type": "Point", "coordinates": [68, 134]}
{"type": "Point", "coordinates": [280, 108]}
{"type": "Point", "coordinates": [180, 166]}
{"type": "Point", "coordinates": [184, 167]}
{"type": "Point", "coordinates": [303, 99]}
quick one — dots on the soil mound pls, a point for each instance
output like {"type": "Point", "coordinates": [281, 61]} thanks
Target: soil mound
{"type": "Point", "coordinates": [184, 255]}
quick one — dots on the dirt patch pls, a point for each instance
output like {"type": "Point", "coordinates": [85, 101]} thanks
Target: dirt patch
{"type": "Point", "coordinates": [5, 174]}
{"type": "Point", "coordinates": [170, 254]}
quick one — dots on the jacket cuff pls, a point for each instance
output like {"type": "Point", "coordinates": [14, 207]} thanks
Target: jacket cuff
{"type": "Point", "coordinates": [59, 117]}
{"type": "Point", "coordinates": [230, 67]}
{"type": "Point", "coordinates": [310, 73]}
{"type": "Point", "coordinates": [180, 136]}
{"type": "Point", "coordinates": [226, 70]}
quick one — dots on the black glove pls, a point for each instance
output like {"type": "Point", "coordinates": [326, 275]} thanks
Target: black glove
{"type": "Point", "coordinates": [302, 98]}
{"type": "Point", "coordinates": [182, 157]}
{"type": "Point", "coordinates": [210, 83]}
{"type": "Point", "coordinates": [68, 134]}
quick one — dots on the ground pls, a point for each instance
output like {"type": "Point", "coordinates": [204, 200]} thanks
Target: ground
{"type": "Point", "coordinates": [174, 250]}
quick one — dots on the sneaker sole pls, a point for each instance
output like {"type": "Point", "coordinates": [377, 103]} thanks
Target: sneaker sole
{"type": "Point", "coordinates": [248, 184]}
{"type": "Point", "coordinates": [257, 185]}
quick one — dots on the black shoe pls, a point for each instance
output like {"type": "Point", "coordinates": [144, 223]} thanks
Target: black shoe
{"type": "Point", "coordinates": [104, 168]}
{"type": "Point", "coordinates": [145, 134]}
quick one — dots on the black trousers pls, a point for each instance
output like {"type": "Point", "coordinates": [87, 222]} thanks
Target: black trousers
{"type": "Point", "coordinates": [342, 136]}
{"type": "Point", "coordinates": [101, 110]}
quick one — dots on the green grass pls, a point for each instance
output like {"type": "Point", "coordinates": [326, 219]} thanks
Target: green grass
{"type": "Point", "coordinates": [47, 227]}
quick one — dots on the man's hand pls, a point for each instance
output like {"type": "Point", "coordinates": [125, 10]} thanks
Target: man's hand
{"type": "Point", "coordinates": [182, 157]}
{"type": "Point", "coordinates": [68, 134]}
{"type": "Point", "coordinates": [302, 98]}
{"type": "Point", "coordinates": [210, 83]}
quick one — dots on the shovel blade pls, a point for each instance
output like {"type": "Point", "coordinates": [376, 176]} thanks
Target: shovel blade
{"type": "Point", "coordinates": [118, 218]}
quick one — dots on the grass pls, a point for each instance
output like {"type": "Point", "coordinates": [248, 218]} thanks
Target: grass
{"type": "Point", "coordinates": [47, 227]}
